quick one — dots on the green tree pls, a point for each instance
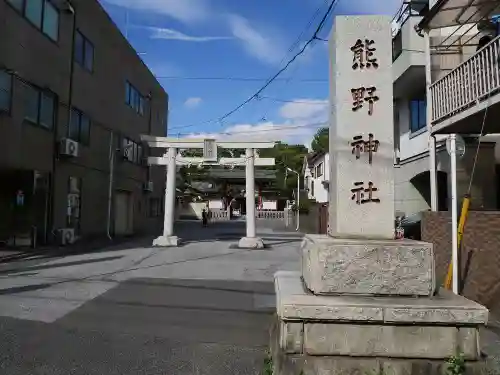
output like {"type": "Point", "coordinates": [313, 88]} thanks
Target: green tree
{"type": "Point", "coordinates": [321, 140]}
{"type": "Point", "coordinates": [291, 156]}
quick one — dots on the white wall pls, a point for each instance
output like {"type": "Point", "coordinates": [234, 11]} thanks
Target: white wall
{"type": "Point", "coordinates": [215, 204]}
{"type": "Point", "coordinates": [320, 190]}
{"type": "Point", "coordinates": [269, 205]}
{"type": "Point", "coordinates": [413, 45]}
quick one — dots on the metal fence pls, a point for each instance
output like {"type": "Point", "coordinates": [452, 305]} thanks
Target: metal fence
{"type": "Point", "coordinates": [469, 83]}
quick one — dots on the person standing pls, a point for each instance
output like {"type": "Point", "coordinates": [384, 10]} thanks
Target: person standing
{"type": "Point", "coordinates": [204, 217]}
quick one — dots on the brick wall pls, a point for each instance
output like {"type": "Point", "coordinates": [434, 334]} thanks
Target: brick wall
{"type": "Point", "coordinates": [480, 253]}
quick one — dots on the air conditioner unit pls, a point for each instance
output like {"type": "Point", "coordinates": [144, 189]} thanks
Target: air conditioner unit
{"type": "Point", "coordinates": [148, 186]}
{"type": "Point", "coordinates": [66, 236]}
{"type": "Point", "coordinates": [68, 147]}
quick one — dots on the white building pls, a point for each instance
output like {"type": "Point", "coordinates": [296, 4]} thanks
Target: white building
{"type": "Point", "coordinates": [461, 81]}
{"type": "Point", "coordinates": [316, 172]}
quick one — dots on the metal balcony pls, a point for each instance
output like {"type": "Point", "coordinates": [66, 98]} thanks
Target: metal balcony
{"type": "Point", "coordinates": [469, 88]}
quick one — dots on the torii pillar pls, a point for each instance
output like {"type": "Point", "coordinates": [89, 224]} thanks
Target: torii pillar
{"type": "Point", "coordinates": [209, 146]}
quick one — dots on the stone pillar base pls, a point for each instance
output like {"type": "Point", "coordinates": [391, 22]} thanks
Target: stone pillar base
{"type": "Point", "coordinates": [251, 243]}
{"type": "Point", "coordinates": [367, 267]}
{"type": "Point", "coordinates": [166, 241]}
{"type": "Point", "coordinates": [328, 335]}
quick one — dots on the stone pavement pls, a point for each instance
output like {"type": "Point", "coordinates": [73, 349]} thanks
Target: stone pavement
{"type": "Point", "coordinates": [203, 308]}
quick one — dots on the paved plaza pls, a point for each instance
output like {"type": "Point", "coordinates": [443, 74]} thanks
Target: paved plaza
{"type": "Point", "coordinates": [202, 308]}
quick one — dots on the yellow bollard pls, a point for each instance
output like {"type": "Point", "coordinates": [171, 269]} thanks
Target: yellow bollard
{"type": "Point", "coordinates": [461, 226]}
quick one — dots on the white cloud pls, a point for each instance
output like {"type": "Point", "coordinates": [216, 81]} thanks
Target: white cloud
{"type": "Point", "coordinates": [182, 10]}
{"type": "Point", "coordinates": [305, 109]}
{"type": "Point", "coordinates": [300, 122]}
{"type": "Point", "coordinates": [163, 33]}
{"type": "Point", "coordinates": [192, 102]}
{"type": "Point", "coordinates": [255, 43]}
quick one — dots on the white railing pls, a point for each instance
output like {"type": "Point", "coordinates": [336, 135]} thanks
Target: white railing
{"type": "Point", "coordinates": [468, 84]}
{"type": "Point", "coordinates": [218, 215]}
{"type": "Point", "coordinates": [271, 214]}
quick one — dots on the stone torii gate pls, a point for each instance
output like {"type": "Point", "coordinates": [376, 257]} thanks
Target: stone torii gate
{"type": "Point", "coordinates": [172, 158]}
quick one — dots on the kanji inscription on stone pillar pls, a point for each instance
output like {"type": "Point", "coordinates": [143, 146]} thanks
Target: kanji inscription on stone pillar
{"type": "Point", "coordinates": [361, 128]}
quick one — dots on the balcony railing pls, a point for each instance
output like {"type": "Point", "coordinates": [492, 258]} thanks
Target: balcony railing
{"type": "Point", "coordinates": [468, 84]}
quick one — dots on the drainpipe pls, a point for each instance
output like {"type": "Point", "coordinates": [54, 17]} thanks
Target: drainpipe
{"type": "Point", "coordinates": [432, 139]}
{"type": "Point", "coordinates": [112, 153]}
{"type": "Point", "coordinates": [454, 211]}
{"type": "Point", "coordinates": [150, 119]}
{"type": "Point", "coordinates": [55, 154]}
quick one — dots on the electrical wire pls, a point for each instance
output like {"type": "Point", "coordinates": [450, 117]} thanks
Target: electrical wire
{"type": "Point", "coordinates": [277, 74]}
{"type": "Point", "coordinates": [274, 129]}
{"type": "Point", "coordinates": [241, 79]}
{"type": "Point", "coordinates": [477, 150]}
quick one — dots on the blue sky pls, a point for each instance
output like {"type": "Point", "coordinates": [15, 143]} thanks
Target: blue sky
{"type": "Point", "coordinates": [242, 39]}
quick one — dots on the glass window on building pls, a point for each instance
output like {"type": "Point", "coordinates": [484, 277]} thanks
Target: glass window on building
{"type": "Point", "coordinates": [34, 11]}
{"type": "Point", "coordinates": [79, 48]}
{"type": "Point", "coordinates": [84, 52]}
{"type": "Point", "coordinates": [47, 106]}
{"type": "Point", "coordinates": [79, 127]}
{"type": "Point", "coordinates": [50, 21]}
{"type": "Point", "coordinates": [31, 103]}
{"type": "Point", "coordinates": [5, 90]}
{"type": "Point", "coordinates": [418, 114]}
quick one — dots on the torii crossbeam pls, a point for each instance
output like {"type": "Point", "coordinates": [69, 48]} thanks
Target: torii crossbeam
{"type": "Point", "coordinates": [172, 158]}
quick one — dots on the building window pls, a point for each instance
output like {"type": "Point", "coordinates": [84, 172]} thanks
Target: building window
{"type": "Point", "coordinates": [312, 189]}
{"type": "Point", "coordinates": [50, 24]}
{"type": "Point", "coordinates": [134, 99]}
{"type": "Point", "coordinates": [33, 11]}
{"type": "Point", "coordinates": [41, 13]}
{"type": "Point", "coordinates": [84, 52]}
{"type": "Point", "coordinates": [79, 127]}
{"type": "Point", "coordinates": [5, 91]}
{"type": "Point", "coordinates": [418, 115]}
{"type": "Point", "coordinates": [74, 201]}
{"type": "Point", "coordinates": [132, 151]}
{"type": "Point", "coordinates": [319, 170]}
{"type": "Point", "coordinates": [39, 107]}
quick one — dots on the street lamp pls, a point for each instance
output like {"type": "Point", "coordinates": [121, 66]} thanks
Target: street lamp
{"type": "Point", "coordinates": [298, 196]}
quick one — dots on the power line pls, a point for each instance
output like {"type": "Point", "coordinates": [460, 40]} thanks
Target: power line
{"type": "Point", "coordinates": [293, 46]}
{"type": "Point", "coordinates": [275, 76]}
{"type": "Point", "coordinates": [275, 129]}
{"type": "Point", "coordinates": [241, 79]}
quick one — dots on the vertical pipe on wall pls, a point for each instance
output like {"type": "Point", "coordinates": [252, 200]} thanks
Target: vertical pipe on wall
{"type": "Point", "coordinates": [112, 153]}
{"type": "Point", "coordinates": [55, 141]}
{"type": "Point", "coordinates": [432, 140]}
{"type": "Point", "coordinates": [454, 211]}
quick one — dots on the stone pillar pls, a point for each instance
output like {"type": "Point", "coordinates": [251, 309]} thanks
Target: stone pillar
{"type": "Point", "coordinates": [168, 238]}
{"type": "Point", "coordinates": [251, 241]}
{"type": "Point", "coordinates": [361, 203]}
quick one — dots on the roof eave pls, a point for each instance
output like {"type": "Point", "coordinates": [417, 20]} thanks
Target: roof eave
{"type": "Point", "coordinates": [424, 22]}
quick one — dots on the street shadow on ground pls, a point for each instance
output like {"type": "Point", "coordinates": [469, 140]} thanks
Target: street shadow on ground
{"type": "Point", "coordinates": [58, 265]}
{"type": "Point", "coordinates": [97, 245]}
{"type": "Point", "coordinates": [188, 327]}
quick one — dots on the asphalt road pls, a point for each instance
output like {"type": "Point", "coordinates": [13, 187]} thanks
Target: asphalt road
{"type": "Point", "coordinates": [201, 309]}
